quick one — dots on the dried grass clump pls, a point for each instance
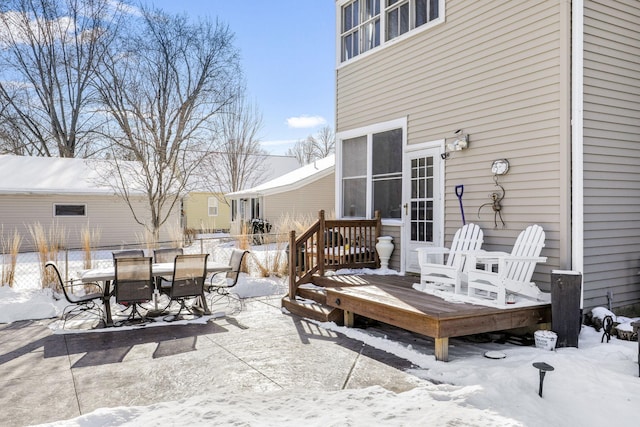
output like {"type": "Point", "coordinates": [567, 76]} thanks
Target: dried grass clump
{"type": "Point", "coordinates": [10, 250]}
{"type": "Point", "coordinates": [275, 261]}
{"type": "Point", "coordinates": [147, 239]}
{"type": "Point", "coordinates": [244, 239]}
{"type": "Point", "coordinates": [49, 245]}
{"type": "Point", "coordinates": [90, 239]}
{"type": "Point", "coordinates": [176, 236]}
{"type": "Point", "coordinates": [298, 223]}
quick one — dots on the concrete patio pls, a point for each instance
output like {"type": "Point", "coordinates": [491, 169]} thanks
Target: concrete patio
{"type": "Point", "coordinates": [48, 377]}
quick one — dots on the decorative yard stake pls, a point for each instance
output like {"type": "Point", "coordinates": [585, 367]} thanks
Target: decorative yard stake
{"type": "Point", "coordinates": [543, 368]}
{"type": "Point", "coordinates": [607, 326]}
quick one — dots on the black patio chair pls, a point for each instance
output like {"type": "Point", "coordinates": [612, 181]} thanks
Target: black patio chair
{"type": "Point", "coordinates": [79, 304]}
{"type": "Point", "coordinates": [189, 274]}
{"type": "Point", "coordinates": [133, 284]}
{"type": "Point", "coordinates": [226, 280]}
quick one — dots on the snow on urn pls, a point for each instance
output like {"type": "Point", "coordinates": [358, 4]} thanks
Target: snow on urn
{"type": "Point", "coordinates": [384, 247]}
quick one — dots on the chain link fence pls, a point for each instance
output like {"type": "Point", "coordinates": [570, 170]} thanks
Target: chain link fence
{"type": "Point", "coordinates": [268, 256]}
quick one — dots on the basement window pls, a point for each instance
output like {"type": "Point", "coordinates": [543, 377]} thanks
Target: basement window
{"type": "Point", "coordinates": [69, 210]}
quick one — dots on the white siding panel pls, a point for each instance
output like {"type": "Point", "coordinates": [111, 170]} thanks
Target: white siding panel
{"type": "Point", "coordinates": [107, 214]}
{"type": "Point", "coordinates": [612, 152]}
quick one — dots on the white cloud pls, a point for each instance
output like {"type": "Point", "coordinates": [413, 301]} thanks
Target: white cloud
{"type": "Point", "coordinates": [305, 122]}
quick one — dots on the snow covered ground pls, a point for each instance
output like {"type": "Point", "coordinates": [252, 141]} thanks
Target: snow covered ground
{"type": "Point", "coordinates": [594, 385]}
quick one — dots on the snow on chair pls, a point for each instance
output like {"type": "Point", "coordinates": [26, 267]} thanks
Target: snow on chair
{"type": "Point", "coordinates": [514, 270]}
{"type": "Point", "coordinates": [466, 239]}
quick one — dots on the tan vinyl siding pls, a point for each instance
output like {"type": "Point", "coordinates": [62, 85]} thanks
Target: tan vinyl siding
{"type": "Point", "coordinates": [108, 214]}
{"type": "Point", "coordinates": [196, 212]}
{"type": "Point", "coordinates": [611, 152]}
{"type": "Point", "coordinates": [496, 70]}
{"type": "Point", "coordinates": [303, 202]}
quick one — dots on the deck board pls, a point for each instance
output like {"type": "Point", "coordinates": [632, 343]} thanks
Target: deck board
{"type": "Point", "coordinates": [392, 300]}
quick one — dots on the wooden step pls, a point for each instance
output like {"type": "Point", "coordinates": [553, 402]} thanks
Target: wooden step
{"type": "Point", "coordinates": [343, 281]}
{"type": "Point", "coordinates": [314, 293]}
{"type": "Point", "coordinates": [312, 310]}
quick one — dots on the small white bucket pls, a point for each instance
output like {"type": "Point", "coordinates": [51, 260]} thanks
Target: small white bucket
{"type": "Point", "coordinates": [545, 340]}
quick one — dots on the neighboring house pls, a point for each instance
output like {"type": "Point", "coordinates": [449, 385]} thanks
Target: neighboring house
{"type": "Point", "coordinates": [204, 211]}
{"type": "Point", "coordinates": [207, 211]}
{"type": "Point", "coordinates": [552, 86]}
{"type": "Point", "coordinates": [69, 195]}
{"type": "Point", "coordinates": [301, 193]}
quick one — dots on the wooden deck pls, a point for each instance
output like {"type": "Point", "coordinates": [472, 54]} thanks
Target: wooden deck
{"type": "Point", "coordinates": [392, 300]}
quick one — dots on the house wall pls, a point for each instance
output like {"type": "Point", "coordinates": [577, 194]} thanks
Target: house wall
{"type": "Point", "coordinates": [304, 202]}
{"type": "Point", "coordinates": [109, 215]}
{"type": "Point", "coordinates": [611, 152]}
{"type": "Point", "coordinates": [196, 213]}
{"type": "Point", "coordinates": [499, 71]}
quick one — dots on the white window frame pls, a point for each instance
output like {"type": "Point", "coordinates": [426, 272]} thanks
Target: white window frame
{"type": "Point", "coordinates": [55, 205]}
{"type": "Point", "coordinates": [213, 205]}
{"type": "Point", "coordinates": [367, 131]}
{"type": "Point", "coordinates": [384, 41]}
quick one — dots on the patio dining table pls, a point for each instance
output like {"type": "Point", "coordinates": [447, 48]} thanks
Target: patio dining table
{"type": "Point", "coordinates": [108, 274]}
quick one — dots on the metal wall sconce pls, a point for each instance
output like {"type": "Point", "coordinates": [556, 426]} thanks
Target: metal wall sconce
{"type": "Point", "coordinates": [500, 167]}
{"type": "Point", "coordinates": [458, 143]}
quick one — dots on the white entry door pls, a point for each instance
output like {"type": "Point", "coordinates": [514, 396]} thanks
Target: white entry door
{"type": "Point", "coordinates": [423, 210]}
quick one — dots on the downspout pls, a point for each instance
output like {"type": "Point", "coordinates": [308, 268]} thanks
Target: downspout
{"type": "Point", "coordinates": [577, 128]}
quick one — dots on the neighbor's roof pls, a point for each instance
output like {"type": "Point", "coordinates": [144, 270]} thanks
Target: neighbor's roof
{"type": "Point", "coordinates": [292, 180]}
{"type": "Point", "coordinates": [51, 175]}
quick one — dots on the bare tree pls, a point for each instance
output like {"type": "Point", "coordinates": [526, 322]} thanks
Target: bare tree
{"type": "Point", "coordinates": [239, 160]}
{"type": "Point", "coordinates": [314, 148]}
{"type": "Point", "coordinates": [49, 53]}
{"type": "Point", "coordinates": [162, 88]}
{"type": "Point", "coordinates": [303, 150]}
{"type": "Point", "coordinates": [325, 142]}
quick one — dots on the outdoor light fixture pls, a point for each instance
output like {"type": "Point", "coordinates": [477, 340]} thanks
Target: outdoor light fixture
{"type": "Point", "coordinates": [500, 167]}
{"type": "Point", "coordinates": [458, 143]}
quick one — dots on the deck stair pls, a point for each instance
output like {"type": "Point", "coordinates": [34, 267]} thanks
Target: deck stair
{"type": "Point", "coordinates": [310, 302]}
{"type": "Point", "coordinates": [311, 298]}
{"type": "Point", "coordinates": [327, 245]}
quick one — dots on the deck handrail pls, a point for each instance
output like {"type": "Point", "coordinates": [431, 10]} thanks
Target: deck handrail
{"type": "Point", "coordinates": [350, 244]}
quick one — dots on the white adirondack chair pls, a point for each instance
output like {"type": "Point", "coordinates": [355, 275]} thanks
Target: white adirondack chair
{"type": "Point", "coordinates": [453, 272]}
{"type": "Point", "coordinates": [514, 270]}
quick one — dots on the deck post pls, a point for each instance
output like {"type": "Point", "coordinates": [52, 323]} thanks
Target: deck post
{"type": "Point", "coordinates": [293, 254]}
{"type": "Point", "coordinates": [320, 251]}
{"type": "Point", "coordinates": [349, 319]}
{"type": "Point", "coordinates": [442, 349]}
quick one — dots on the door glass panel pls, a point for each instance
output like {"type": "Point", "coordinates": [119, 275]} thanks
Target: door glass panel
{"type": "Point", "coordinates": [422, 199]}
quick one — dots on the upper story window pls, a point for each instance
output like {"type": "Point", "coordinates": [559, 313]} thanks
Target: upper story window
{"type": "Point", "coordinates": [362, 22]}
{"type": "Point", "coordinates": [360, 27]}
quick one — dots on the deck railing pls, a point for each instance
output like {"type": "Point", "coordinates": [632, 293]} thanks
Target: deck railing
{"type": "Point", "coordinates": [334, 244]}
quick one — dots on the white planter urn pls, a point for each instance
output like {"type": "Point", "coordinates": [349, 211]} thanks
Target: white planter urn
{"type": "Point", "coordinates": [384, 247]}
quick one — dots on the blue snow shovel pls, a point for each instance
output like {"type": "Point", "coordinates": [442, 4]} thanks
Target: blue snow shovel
{"type": "Point", "coordinates": [459, 191]}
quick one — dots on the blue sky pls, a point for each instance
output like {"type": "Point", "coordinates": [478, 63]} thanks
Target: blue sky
{"type": "Point", "coordinates": [288, 56]}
